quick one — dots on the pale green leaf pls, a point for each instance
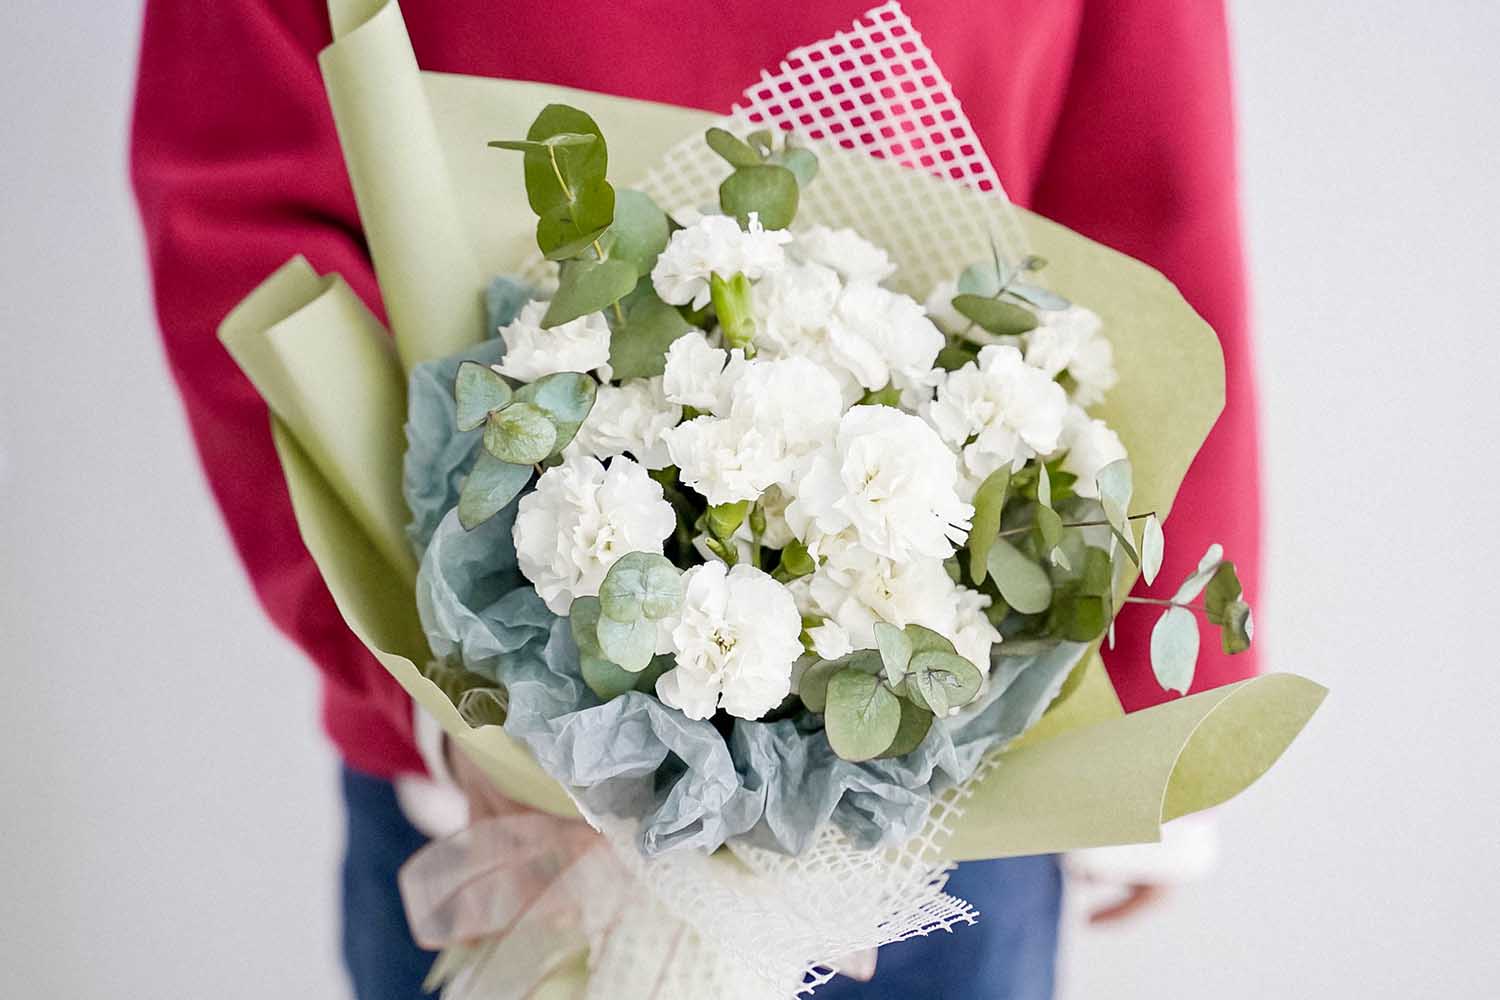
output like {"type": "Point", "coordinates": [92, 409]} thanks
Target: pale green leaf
{"type": "Point", "coordinates": [641, 585]}
{"type": "Point", "coordinates": [478, 391]}
{"type": "Point", "coordinates": [895, 649]}
{"type": "Point", "coordinates": [944, 681]}
{"type": "Point", "coordinates": [732, 148]}
{"type": "Point", "coordinates": [630, 645]}
{"type": "Point", "coordinates": [589, 286]}
{"type": "Point", "coordinates": [1025, 586]}
{"type": "Point", "coordinates": [1004, 319]}
{"type": "Point", "coordinates": [490, 485]}
{"type": "Point", "coordinates": [1174, 649]}
{"type": "Point", "coordinates": [1153, 546]}
{"type": "Point", "coordinates": [989, 504]}
{"type": "Point", "coordinates": [521, 434]}
{"type": "Point", "coordinates": [640, 230]}
{"type": "Point", "coordinates": [862, 716]}
{"type": "Point", "coordinates": [566, 398]}
{"type": "Point", "coordinates": [1207, 567]}
{"type": "Point", "coordinates": [915, 723]}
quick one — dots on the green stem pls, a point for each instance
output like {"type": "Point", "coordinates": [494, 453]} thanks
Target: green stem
{"type": "Point", "coordinates": [1076, 524]}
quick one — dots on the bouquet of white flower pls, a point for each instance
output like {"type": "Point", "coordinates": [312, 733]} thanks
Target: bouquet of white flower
{"type": "Point", "coordinates": [729, 544]}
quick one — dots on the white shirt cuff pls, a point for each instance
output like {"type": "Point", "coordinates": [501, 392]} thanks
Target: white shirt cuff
{"type": "Point", "coordinates": [432, 804]}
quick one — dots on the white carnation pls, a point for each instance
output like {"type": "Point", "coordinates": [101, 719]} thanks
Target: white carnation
{"type": "Point", "coordinates": [632, 417]}
{"type": "Point", "coordinates": [847, 252]}
{"type": "Point", "coordinates": [700, 375]}
{"type": "Point", "coordinates": [735, 641]}
{"type": "Point", "coordinates": [581, 518]}
{"type": "Point", "coordinates": [1068, 342]}
{"type": "Point", "coordinates": [580, 345]}
{"type": "Point", "coordinates": [1091, 445]}
{"type": "Point", "coordinates": [999, 411]}
{"type": "Point", "coordinates": [780, 412]}
{"type": "Point", "coordinates": [793, 309]}
{"type": "Point", "coordinates": [881, 336]}
{"type": "Point", "coordinates": [715, 244]}
{"type": "Point", "coordinates": [889, 479]}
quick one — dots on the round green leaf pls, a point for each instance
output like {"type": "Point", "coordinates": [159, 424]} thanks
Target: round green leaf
{"type": "Point", "coordinates": [491, 485]}
{"type": "Point", "coordinates": [560, 237]}
{"type": "Point", "coordinates": [862, 716]}
{"type": "Point", "coordinates": [641, 585]}
{"type": "Point", "coordinates": [915, 722]}
{"type": "Point", "coordinates": [766, 189]}
{"type": "Point", "coordinates": [1025, 586]}
{"type": "Point", "coordinates": [566, 398]}
{"type": "Point", "coordinates": [812, 686]}
{"type": "Point", "coordinates": [478, 391]}
{"type": "Point", "coordinates": [1207, 567]}
{"type": "Point", "coordinates": [604, 678]}
{"type": "Point", "coordinates": [1174, 649]}
{"type": "Point", "coordinates": [589, 286]}
{"type": "Point", "coordinates": [639, 348]}
{"type": "Point", "coordinates": [1004, 319]}
{"type": "Point", "coordinates": [1037, 296]}
{"type": "Point", "coordinates": [521, 434]}
{"type": "Point", "coordinates": [640, 231]}
{"type": "Point", "coordinates": [577, 163]}
{"type": "Point", "coordinates": [630, 645]}
{"type": "Point", "coordinates": [944, 681]}
{"type": "Point", "coordinates": [1238, 627]}
{"type": "Point", "coordinates": [1222, 591]}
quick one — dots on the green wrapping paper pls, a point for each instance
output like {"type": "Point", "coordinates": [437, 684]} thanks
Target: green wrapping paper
{"type": "Point", "coordinates": [442, 213]}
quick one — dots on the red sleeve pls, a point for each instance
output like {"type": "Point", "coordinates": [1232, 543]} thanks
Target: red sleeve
{"type": "Point", "coordinates": [236, 168]}
{"type": "Point", "coordinates": [1143, 160]}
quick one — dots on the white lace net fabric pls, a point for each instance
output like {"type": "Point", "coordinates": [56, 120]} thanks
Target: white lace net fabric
{"type": "Point", "coordinates": [892, 141]}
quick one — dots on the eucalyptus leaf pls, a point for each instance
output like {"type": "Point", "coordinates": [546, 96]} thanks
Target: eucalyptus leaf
{"type": "Point", "coordinates": [640, 230]}
{"type": "Point", "coordinates": [983, 280]}
{"type": "Point", "coordinates": [490, 486]}
{"type": "Point", "coordinates": [641, 585]}
{"type": "Point", "coordinates": [1004, 319]}
{"type": "Point", "coordinates": [638, 347]}
{"type": "Point", "coordinates": [862, 715]}
{"type": "Point", "coordinates": [1115, 484]}
{"type": "Point", "coordinates": [478, 391]}
{"type": "Point", "coordinates": [1194, 584]}
{"type": "Point", "coordinates": [560, 238]}
{"type": "Point", "coordinates": [604, 678]}
{"type": "Point", "coordinates": [945, 681]}
{"type": "Point", "coordinates": [566, 398]}
{"type": "Point", "coordinates": [1036, 296]}
{"type": "Point", "coordinates": [1043, 485]}
{"type": "Point", "coordinates": [1237, 628]}
{"type": "Point", "coordinates": [559, 139]}
{"type": "Point", "coordinates": [766, 189]}
{"type": "Point", "coordinates": [802, 163]}
{"type": "Point", "coordinates": [1174, 649]}
{"type": "Point", "coordinates": [629, 645]}
{"type": "Point", "coordinates": [1153, 547]}
{"type": "Point", "coordinates": [924, 640]}
{"type": "Point", "coordinates": [955, 356]}
{"type": "Point", "coordinates": [763, 140]}
{"type": "Point", "coordinates": [521, 434]}
{"type": "Point", "coordinates": [916, 721]}
{"type": "Point", "coordinates": [1222, 591]}
{"type": "Point", "coordinates": [895, 649]}
{"type": "Point", "coordinates": [589, 286]}
{"type": "Point", "coordinates": [1025, 586]}
{"type": "Point", "coordinates": [1080, 617]}
{"type": "Point", "coordinates": [1049, 527]}
{"type": "Point", "coordinates": [732, 148]}
{"type": "Point", "coordinates": [576, 163]}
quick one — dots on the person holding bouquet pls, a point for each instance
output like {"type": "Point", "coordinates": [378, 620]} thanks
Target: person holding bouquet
{"type": "Point", "coordinates": [1114, 120]}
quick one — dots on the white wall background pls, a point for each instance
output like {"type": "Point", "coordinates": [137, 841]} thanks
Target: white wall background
{"type": "Point", "coordinates": [167, 826]}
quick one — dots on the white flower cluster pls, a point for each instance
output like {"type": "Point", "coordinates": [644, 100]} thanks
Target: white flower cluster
{"type": "Point", "coordinates": [878, 495]}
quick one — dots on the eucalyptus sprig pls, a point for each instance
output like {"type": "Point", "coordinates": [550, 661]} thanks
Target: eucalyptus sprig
{"type": "Point", "coordinates": [881, 703]}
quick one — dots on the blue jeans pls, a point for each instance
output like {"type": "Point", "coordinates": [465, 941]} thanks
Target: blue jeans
{"type": "Point", "coordinates": [1008, 955]}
